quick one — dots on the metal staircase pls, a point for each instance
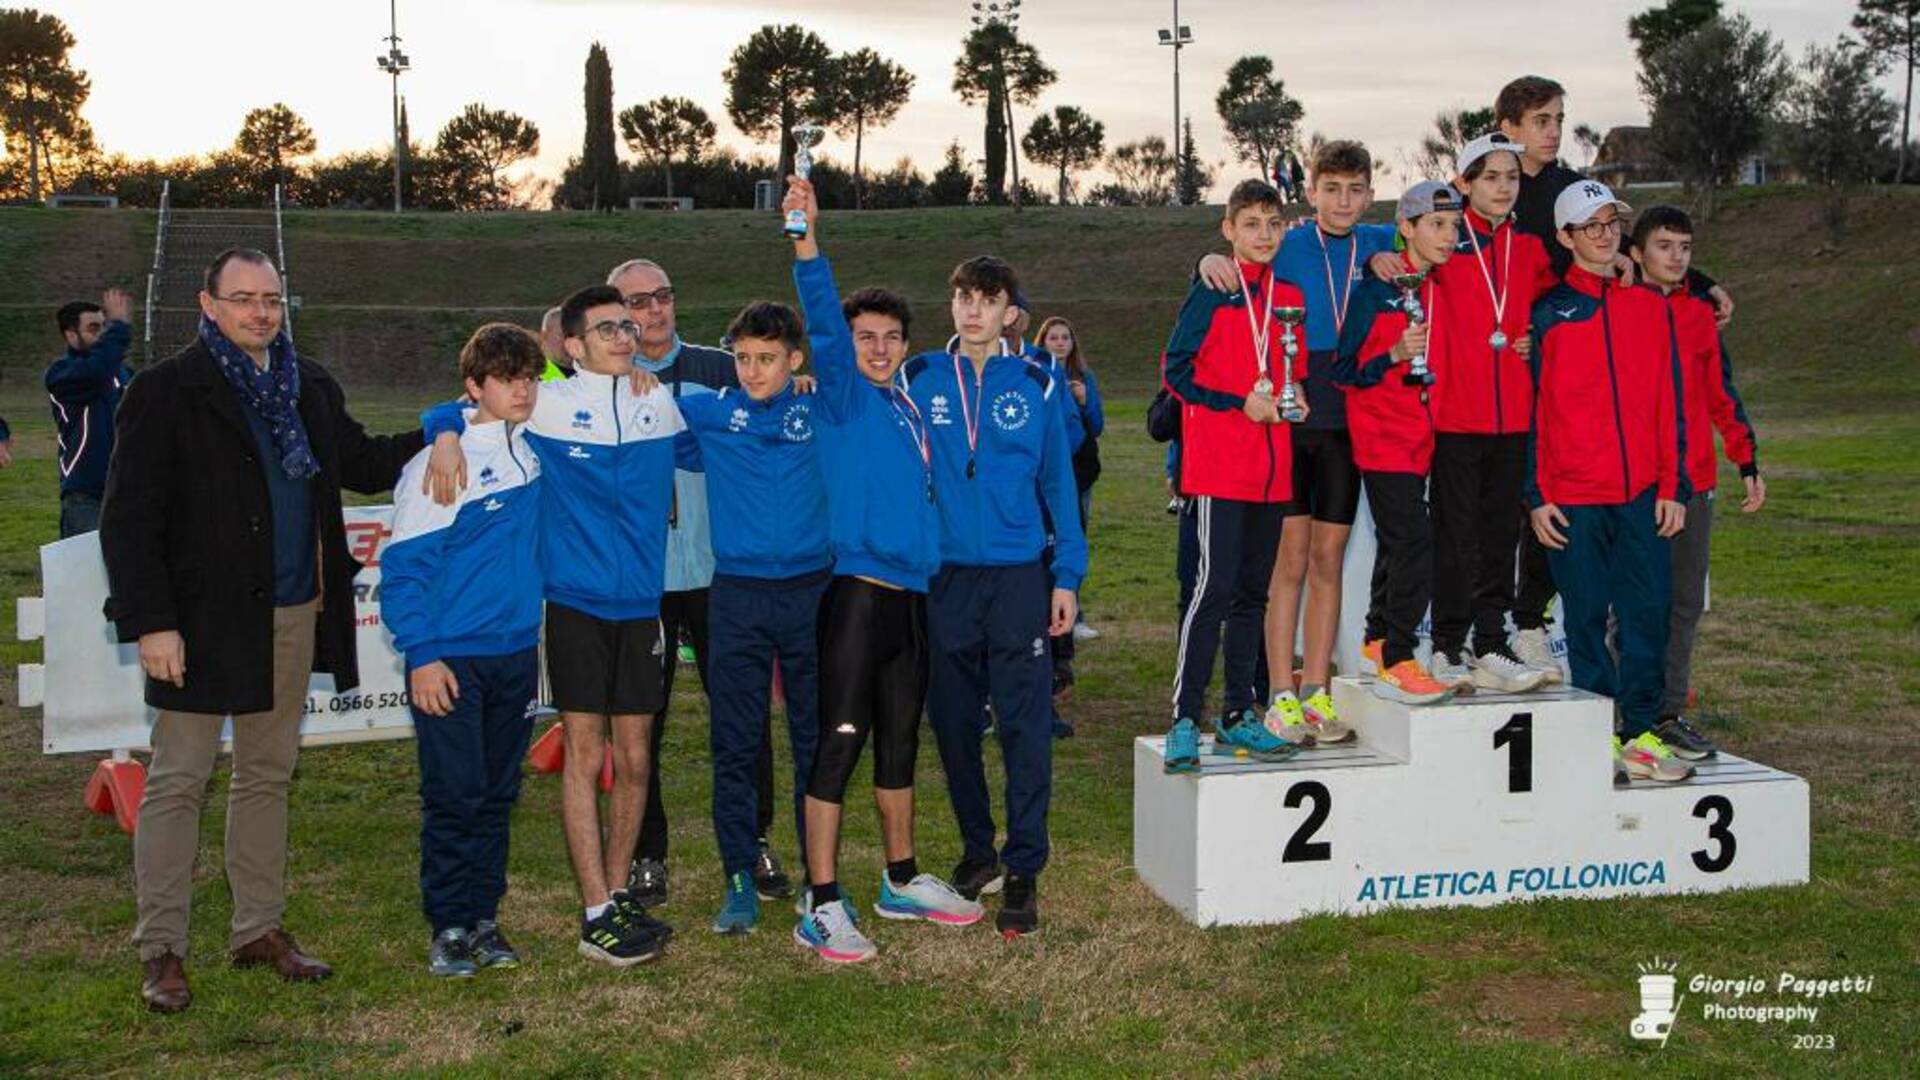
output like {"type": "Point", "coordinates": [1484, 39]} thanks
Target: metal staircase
{"type": "Point", "coordinates": [185, 242]}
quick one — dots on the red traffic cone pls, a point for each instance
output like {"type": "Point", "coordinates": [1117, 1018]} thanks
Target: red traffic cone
{"type": "Point", "coordinates": [115, 788]}
{"type": "Point", "coordinates": [548, 752]}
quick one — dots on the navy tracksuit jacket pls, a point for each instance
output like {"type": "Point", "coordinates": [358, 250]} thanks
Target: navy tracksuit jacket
{"type": "Point", "coordinates": [772, 562]}
{"type": "Point", "coordinates": [83, 390]}
{"type": "Point", "coordinates": [1002, 468]}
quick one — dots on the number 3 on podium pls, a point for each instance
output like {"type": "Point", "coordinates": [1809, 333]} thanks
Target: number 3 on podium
{"type": "Point", "coordinates": [1719, 830]}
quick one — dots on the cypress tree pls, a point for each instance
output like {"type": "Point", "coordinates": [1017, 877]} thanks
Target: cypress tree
{"type": "Point", "coordinates": [597, 156]}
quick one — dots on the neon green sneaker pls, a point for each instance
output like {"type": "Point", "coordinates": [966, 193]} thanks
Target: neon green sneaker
{"type": "Point", "coordinates": [1328, 728]}
{"type": "Point", "coordinates": [1647, 758]}
{"type": "Point", "coordinates": [1286, 720]}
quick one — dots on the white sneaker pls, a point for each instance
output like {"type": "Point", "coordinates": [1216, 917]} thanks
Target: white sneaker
{"type": "Point", "coordinates": [926, 897]}
{"type": "Point", "coordinates": [1501, 673]}
{"type": "Point", "coordinates": [829, 931]}
{"type": "Point", "coordinates": [1451, 669]}
{"type": "Point", "coordinates": [1084, 632]}
{"type": "Point", "coordinates": [1535, 651]}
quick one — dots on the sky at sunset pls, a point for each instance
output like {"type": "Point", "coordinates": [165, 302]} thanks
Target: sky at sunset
{"type": "Point", "coordinates": [176, 77]}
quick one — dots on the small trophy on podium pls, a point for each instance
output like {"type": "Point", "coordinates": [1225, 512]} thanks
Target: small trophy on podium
{"type": "Point", "coordinates": [805, 138]}
{"type": "Point", "coordinates": [1290, 318]}
{"type": "Point", "coordinates": [1409, 286]}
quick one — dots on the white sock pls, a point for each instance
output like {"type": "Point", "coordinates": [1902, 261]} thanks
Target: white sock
{"type": "Point", "coordinates": [598, 910]}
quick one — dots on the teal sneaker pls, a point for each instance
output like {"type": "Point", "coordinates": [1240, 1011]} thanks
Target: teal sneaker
{"type": "Point", "coordinates": [1183, 747]}
{"type": "Point", "coordinates": [1248, 733]}
{"type": "Point", "coordinates": [741, 912]}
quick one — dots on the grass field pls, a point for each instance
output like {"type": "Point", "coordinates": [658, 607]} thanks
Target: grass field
{"type": "Point", "coordinates": [1807, 662]}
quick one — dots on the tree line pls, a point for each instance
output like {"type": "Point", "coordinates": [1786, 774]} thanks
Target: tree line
{"type": "Point", "coordinates": [1718, 90]}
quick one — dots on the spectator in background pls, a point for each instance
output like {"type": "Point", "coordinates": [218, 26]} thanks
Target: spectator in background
{"type": "Point", "coordinates": [6, 444]}
{"type": "Point", "coordinates": [83, 391]}
{"type": "Point", "coordinates": [553, 344]}
{"type": "Point", "coordinates": [1063, 345]}
{"type": "Point", "coordinates": [1282, 180]}
{"type": "Point", "coordinates": [222, 534]}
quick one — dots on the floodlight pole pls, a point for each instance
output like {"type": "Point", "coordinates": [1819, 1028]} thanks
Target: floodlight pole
{"type": "Point", "coordinates": [1179, 37]}
{"type": "Point", "coordinates": [393, 63]}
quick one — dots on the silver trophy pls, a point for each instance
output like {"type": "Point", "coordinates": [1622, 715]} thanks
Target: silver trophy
{"type": "Point", "coordinates": [1290, 318]}
{"type": "Point", "coordinates": [805, 138]}
{"type": "Point", "coordinates": [1409, 286]}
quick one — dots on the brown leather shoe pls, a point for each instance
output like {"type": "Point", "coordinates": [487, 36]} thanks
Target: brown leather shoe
{"type": "Point", "coordinates": [276, 949]}
{"type": "Point", "coordinates": [164, 984]}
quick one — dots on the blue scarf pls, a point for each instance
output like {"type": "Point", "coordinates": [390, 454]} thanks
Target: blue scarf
{"type": "Point", "coordinates": [273, 395]}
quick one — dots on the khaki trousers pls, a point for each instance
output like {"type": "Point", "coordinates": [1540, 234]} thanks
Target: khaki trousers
{"type": "Point", "coordinates": [168, 835]}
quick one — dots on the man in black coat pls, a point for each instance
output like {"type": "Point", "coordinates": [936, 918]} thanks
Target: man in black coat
{"type": "Point", "coordinates": [227, 561]}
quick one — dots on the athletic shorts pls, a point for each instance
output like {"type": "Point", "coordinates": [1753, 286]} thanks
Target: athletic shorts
{"type": "Point", "coordinates": [1326, 483]}
{"type": "Point", "coordinates": [605, 667]}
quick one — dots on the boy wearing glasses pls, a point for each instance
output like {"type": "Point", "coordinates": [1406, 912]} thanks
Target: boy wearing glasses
{"type": "Point", "coordinates": [607, 456]}
{"type": "Point", "coordinates": [1604, 482]}
{"type": "Point", "coordinates": [687, 370]}
{"type": "Point", "coordinates": [772, 562]}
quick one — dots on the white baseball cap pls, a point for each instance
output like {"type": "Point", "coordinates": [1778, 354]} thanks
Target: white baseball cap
{"type": "Point", "coordinates": [1582, 199]}
{"type": "Point", "coordinates": [1490, 143]}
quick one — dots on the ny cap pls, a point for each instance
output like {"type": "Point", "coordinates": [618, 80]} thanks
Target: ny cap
{"type": "Point", "coordinates": [1581, 200]}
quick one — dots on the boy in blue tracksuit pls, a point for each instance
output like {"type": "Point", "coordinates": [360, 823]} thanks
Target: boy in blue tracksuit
{"type": "Point", "coordinates": [877, 462]}
{"type": "Point", "coordinates": [772, 563]}
{"type": "Point", "coordinates": [607, 456]}
{"type": "Point", "coordinates": [1002, 467]}
{"type": "Point", "coordinates": [685, 369]}
{"type": "Point", "coordinates": [460, 592]}
{"type": "Point", "coordinates": [83, 391]}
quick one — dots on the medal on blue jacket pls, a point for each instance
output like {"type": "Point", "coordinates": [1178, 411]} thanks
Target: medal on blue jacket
{"type": "Point", "coordinates": [969, 415]}
{"type": "Point", "coordinates": [916, 431]}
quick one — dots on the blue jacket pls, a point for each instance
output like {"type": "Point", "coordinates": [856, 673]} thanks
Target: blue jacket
{"type": "Point", "coordinates": [1303, 261]}
{"type": "Point", "coordinates": [5, 431]}
{"type": "Point", "coordinates": [874, 451]}
{"type": "Point", "coordinates": [607, 458]}
{"type": "Point", "coordinates": [767, 497]}
{"type": "Point", "coordinates": [990, 493]}
{"type": "Point", "coordinates": [1063, 401]}
{"type": "Point", "coordinates": [689, 370]}
{"type": "Point", "coordinates": [83, 390]}
{"type": "Point", "coordinates": [464, 580]}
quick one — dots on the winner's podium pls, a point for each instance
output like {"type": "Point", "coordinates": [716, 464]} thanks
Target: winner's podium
{"type": "Point", "coordinates": [1482, 800]}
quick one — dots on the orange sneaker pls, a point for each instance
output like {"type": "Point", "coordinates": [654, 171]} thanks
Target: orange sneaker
{"type": "Point", "coordinates": [1409, 682]}
{"type": "Point", "coordinates": [1372, 651]}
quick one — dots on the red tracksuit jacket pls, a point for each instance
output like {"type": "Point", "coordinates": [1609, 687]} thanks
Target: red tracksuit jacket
{"type": "Point", "coordinates": [1210, 366]}
{"type": "Point", "coordinates": [1476, 392]}
{"type": "Point", "coordinates": [1392, 428]}
{"type": "Point", "coordinates": [1606, 420]}
{"type": "Point", "coordinates": [1710, 401]}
